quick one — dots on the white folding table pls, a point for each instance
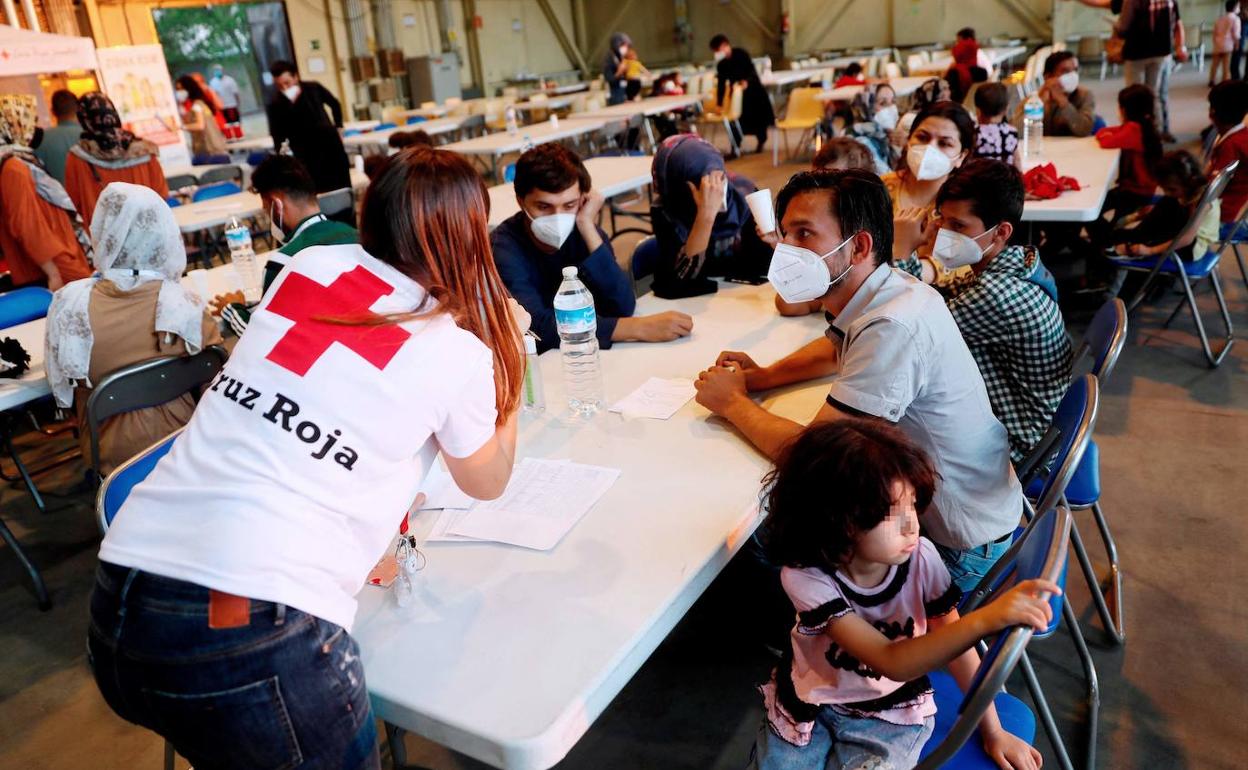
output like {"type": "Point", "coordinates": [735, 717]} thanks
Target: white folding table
{"type": "Point", "coordinates": [1094, 168]}
{"type": "Point", "coordinates": [379, 141]}
{"type": "Point", "coordinates": [645, 108]}
{"type": "Point", "coordinates": [509, 655]}
{"type": "Point", "coordinates": [902, 87]}
{"type": "Point", "coordinates": [494, 146]}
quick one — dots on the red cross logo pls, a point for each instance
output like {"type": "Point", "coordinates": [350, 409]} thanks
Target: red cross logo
{"type": "Point", "coordinates": [314, 308]}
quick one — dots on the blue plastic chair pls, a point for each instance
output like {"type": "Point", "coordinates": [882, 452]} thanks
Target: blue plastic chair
{"type": "Point", "coordinates": [645, 257]}
{"type": "Point", "coordinates": [257, 157]}
{"type": "Point", "coordinates": [1040, 552]}
{"type": "Point", "coordinates": [415, 119]}
{"type": "Point", "coordinates": [1189, 273]}
{"type": "Point", "coordinates": [218, 190]}
{"type": "Point", "coordinates": [351, 132]}
{"type": "Point", "coordinates": [1103, 343]}
{"type": "Point", "coordinates": [173, 201]}
{"type": "Point", "coordinates": [1061, 450]}
{"type": "Point", "coordinates": [509, 173]}
{"type": "Point", "coordinates": [25, 304]}
{"type": "Point", "coordinates": [386, 126]}
{"type": "Point", "coordinates": [116, 487]}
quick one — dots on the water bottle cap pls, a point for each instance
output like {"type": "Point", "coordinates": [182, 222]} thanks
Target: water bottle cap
{"type": "Point", "coordinates": [569, 272]}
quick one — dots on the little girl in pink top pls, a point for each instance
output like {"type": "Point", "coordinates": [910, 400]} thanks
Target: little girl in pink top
{"type": "Point", "coordinates": [876, 610]}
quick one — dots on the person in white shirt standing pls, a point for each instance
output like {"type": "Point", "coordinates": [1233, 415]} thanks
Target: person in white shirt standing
{"type": "Point", "coordinates": [226, 88]}
{"type": "Point", "coordinates": [224, 599]}
{"type": "Point", "coordinates": [1226, 33]}
{"type": "Point", "coordinates": [894, 352]}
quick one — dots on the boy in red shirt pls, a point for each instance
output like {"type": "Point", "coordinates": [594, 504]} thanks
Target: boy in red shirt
{"type": "Point", "coordinates": [1228, 103]}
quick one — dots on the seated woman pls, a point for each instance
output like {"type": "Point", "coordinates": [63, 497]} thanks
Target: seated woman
{"type": "Point", "coordinates": [928, 93]}
{"type": "Point", "coordinates": [942, 137]}
{"type": "Point", "coordinates": [108, 153]}
{"type": "Point", "coordinates": [702, 224]}
{"type": "Point", "coordinates": [873, 116]}
{"type": "Point", "coordinates": [133, 310]}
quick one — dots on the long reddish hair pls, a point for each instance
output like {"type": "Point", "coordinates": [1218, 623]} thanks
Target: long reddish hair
{"type": "Point", "coordinates": [425, 214]}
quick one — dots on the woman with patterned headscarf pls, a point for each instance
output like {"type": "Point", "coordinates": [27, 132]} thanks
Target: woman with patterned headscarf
{"type": "Point", "coordinates": [106, 153]}
{"type": "Point", "coordinates": [41, 234]}
{"type": "Point", "coordinates": [105, 322]}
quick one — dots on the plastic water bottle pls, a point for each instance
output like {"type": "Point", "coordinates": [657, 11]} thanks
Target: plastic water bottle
{"type": "Point", "coordinates": [510, 116]}
{"type": "Point", "coordinates": [1033, 127]}
{"type": "Point", "coordinates": [578, 344]}
{"type": "Point", "coordinates": [243, 257]}
{"type": "Point", "coordinates": [533, 393]}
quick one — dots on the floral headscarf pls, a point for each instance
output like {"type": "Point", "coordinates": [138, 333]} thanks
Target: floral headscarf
{"type": "Point", "coordinates": [17, 128]}
{"type": "Point", "coordinates": [136, 242]}
{"type": "Point", "coordinates": [103, 138]}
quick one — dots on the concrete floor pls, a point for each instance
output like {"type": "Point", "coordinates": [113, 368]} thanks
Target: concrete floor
{"type": "Point", "coordinates": [1172, 434]}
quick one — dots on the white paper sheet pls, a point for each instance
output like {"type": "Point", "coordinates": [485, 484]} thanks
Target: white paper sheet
{"type": "Point", "coordinates": [441, 491]}
{"type": "Point", "coordinates": [543, 501]}
{"type": "Point", "coordinates": [657, 398]}
{"type": "Point", "coordinates": [442, 525]}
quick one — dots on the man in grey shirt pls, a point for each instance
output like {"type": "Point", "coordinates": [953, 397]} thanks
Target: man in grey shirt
{"type": "Point", "coordinates": [57, 140]}
{"type": "Point", "coordinates": [1069, 108]}
{"type": "Point", "coordinates": [894, 353]}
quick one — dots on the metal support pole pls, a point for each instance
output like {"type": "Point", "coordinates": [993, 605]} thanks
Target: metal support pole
{"type": "Point", "coordinates": [569, 48]}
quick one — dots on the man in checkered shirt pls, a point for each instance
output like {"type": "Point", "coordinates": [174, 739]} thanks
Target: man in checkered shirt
{"type": "Point", "coordinates": [1006, 306]}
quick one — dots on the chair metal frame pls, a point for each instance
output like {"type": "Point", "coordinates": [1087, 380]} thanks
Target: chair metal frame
{"type": "Point", "coordinates": [728, 113]}
{"type": "Point", "coordinates": [105, 519]}
{"type": "Point", "coordinates": [224, 174]}
{"type": "Point", "coordinates": [1010, 647]}
{"type": "Point", "coordinates": [1067, 450]}
{"type": "Point", "coordinates": [1171, 257]}
{"type": "Point", "coordinates": [783, 130]}
{"type": "Point", "coordinates": [147, 384]}
{"type": "Point", "coordinates": [1108, 601]}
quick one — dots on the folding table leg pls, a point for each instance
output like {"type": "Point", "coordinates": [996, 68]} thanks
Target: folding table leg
{"type": "Point", "coordinates": [21, 467]}
{"type": "Point", "coordinates": [1089, 671]}
{"type": "Point", "coordinates": [41, 591]}
{"type": "Point", "coordinates": [398, 751]}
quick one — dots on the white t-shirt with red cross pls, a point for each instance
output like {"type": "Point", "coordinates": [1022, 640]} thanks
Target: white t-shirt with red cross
{"type": "Point", "coordinates": [307, 450]}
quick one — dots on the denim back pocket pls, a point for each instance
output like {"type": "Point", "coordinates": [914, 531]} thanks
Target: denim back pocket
{"type": "Point", "coordinates": [243, 727]}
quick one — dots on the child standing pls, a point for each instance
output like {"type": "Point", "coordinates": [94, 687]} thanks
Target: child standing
{"type": "Point", "coordinates": [1226, 32]}
{"type": "Point", "coordinates": [997, 139]}
{"type": "Point", "coordinates": [876, 610]}
{"type": "Point", "coordinates": [1140, 142]}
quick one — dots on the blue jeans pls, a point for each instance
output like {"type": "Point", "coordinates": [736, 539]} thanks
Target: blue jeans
{"type": "Point", "coordinates": [284, 691]}
{"type": "Point", "coordinates": [969, 565]}
{"type": "Point", "coordinates": [841, 742]}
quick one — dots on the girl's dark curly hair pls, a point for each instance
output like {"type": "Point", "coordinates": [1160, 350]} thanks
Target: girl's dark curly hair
{"type": "Point", "coordinates": [834, 483]}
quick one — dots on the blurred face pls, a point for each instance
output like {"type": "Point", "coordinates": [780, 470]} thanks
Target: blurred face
{"type": "Point", "coordinates": [895, 538]}
{"type": "Point", "coordinates": [885, 97]}
{"type": "Point", "coordinates": [286, 80]}
{"type": "Point", "coordinates": [941, 133]}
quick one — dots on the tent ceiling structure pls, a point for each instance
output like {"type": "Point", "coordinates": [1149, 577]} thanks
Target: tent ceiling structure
{"type": "Point", "coordinates": [26, 52]}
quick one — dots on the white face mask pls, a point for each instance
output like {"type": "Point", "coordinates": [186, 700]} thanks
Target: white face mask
{"type": "Point", "coordinates": [927, 162]}
{"type": "Point", "coordinates": [1069, 81]}
{"type": "Point", "coordinates": [182, 95]}
{"type": "Point", "coordinates": [720, 56]}
{"type": "Point", "coordinates": [887, 117]}
{"type": "Point", "coordinates": [956, 250]}
{"type": "Point", "coordinates": [275, 224]}
{"type": "Point", "coordinates": [552, 229]}
{"type": "Point", "coordinates": [801, 275]}
{"type": "Point", "coordinates": [291, 93]}
{"type": "Point", "coordinates": [623, 51]}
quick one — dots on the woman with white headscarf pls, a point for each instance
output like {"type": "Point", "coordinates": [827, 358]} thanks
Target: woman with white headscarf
{"type": "Point", "coordinates": [41, 234]}
{"type": "Point", "coordinates": [132, 310]}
